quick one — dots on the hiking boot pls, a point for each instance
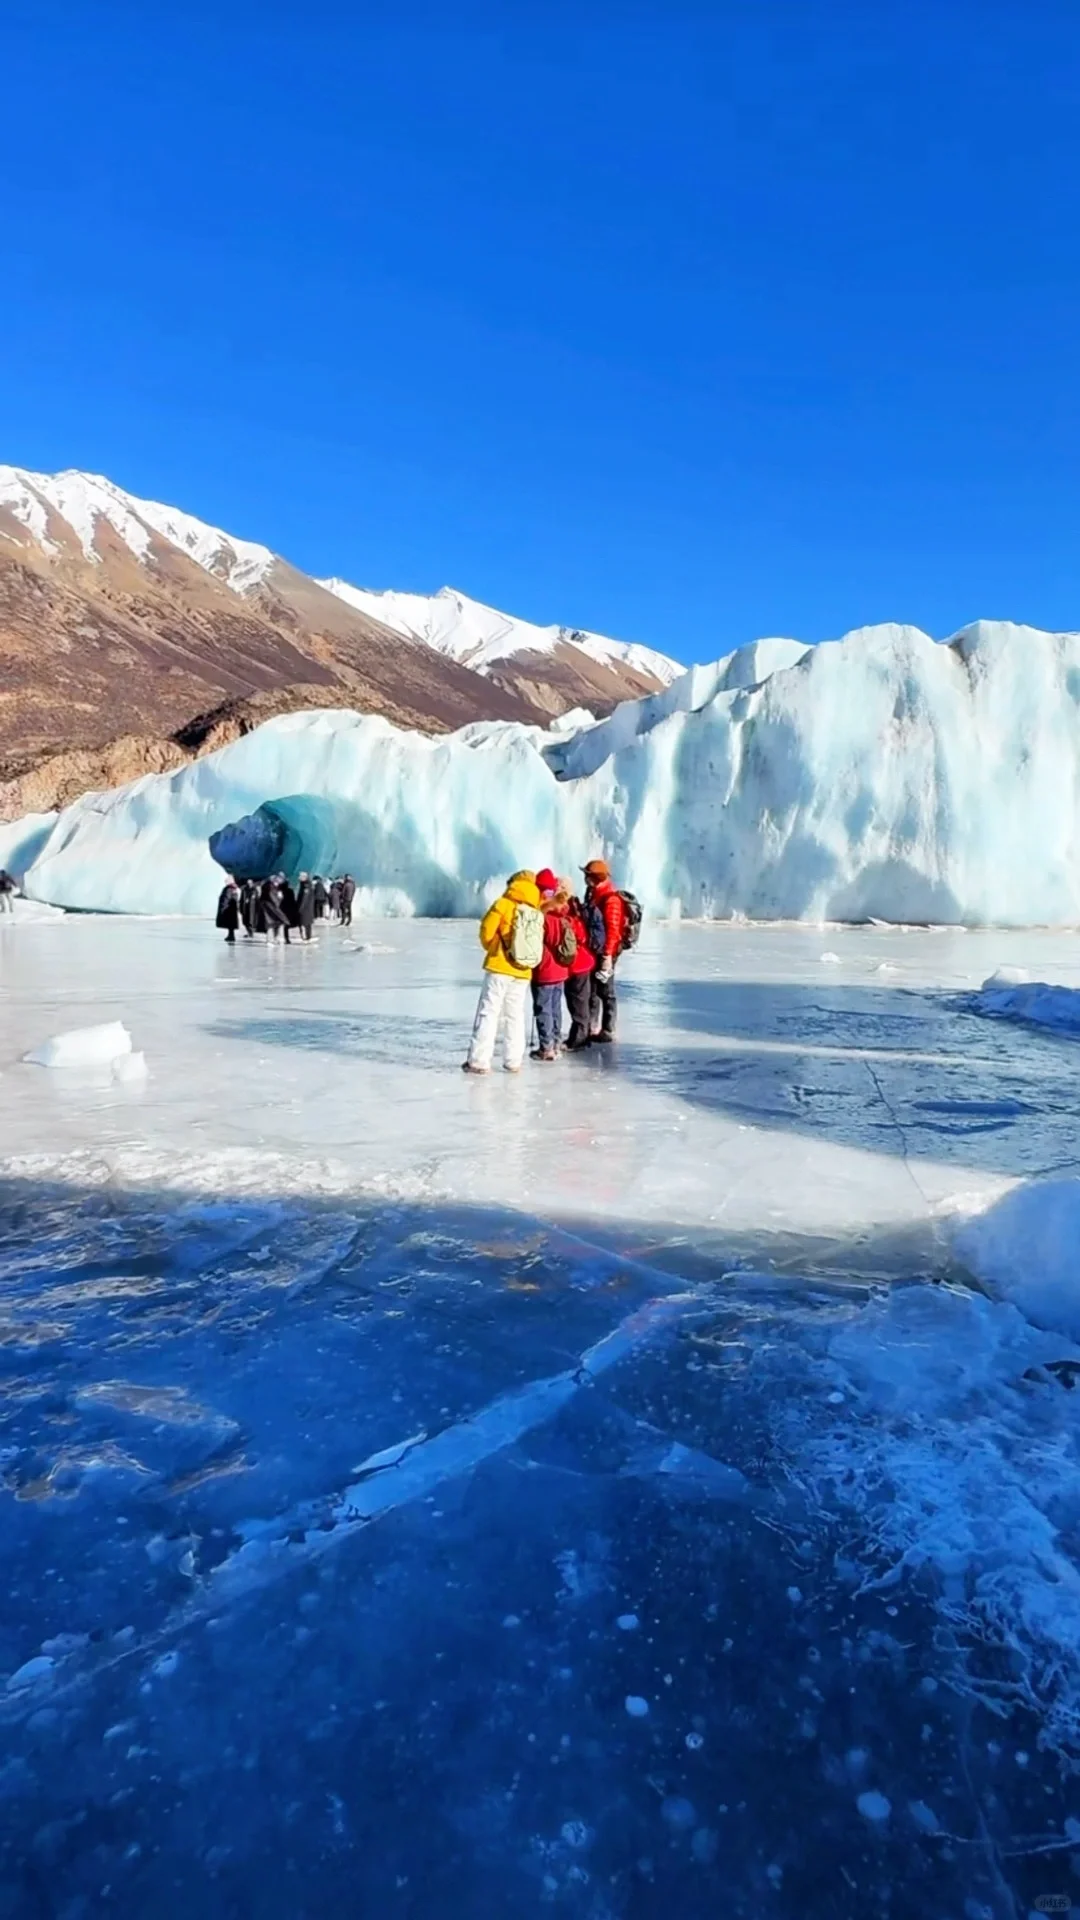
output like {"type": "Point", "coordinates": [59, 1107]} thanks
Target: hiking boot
{"type": "Point", "coordinates": [603, 1039]}
{"type": "Point", "coordinates": [467, 1067]}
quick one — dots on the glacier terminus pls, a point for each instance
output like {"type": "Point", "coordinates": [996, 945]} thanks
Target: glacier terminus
{"type": "Point", "coordinates": [883, 776]}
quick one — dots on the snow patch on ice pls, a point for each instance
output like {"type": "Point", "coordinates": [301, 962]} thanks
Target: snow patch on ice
{"type": "Point", "coordinates": [130, 1067]}
{"type": "Point", "coordinates": [1027, 1248]}
{"type": "Point", "coordinates": [25, 913]}
{"type": "Point", "coordinates": [1033, 1002]}
{"type": "Point", "coordinates": [83, 1047]}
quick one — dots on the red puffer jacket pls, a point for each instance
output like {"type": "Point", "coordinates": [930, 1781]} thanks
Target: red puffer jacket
{"type": "Point", "coordinates": [607, 897]}
{"type": "Point", "coordinates": [551, 972]}
{"type": "Point", "coordinates": [585, 960]}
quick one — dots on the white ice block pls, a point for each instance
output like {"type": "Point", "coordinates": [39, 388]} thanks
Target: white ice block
{"type": "Point", "coordinates": [83, 1047]}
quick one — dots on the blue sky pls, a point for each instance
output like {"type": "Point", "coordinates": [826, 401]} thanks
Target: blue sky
{"type": "Point", "coordinates": [685, 323]}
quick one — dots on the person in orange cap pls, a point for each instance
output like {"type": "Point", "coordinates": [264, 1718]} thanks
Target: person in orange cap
{"type": "Point", "coordinates": [605, 918]}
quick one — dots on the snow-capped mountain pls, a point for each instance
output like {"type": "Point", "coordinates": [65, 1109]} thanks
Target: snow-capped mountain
{"type": "Point", "coordinates": [54, 506]}
{"type": "Point", "coordinates": [123, 617]}
{"type": "Point", "coordinates": [58, 510]}
{"type": "Point", "coordinates": [481, 637]}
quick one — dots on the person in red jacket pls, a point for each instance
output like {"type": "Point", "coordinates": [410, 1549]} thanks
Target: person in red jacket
{"type": "Point", "coordinates": [605, 916]}
{"type": "Point", "coordinates": [549, 977]}
{"type": "Point", "coordinates": [578, 988]}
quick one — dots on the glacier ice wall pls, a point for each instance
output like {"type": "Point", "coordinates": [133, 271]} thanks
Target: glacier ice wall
{"type": "Point", "coordinates": [883, 775]}
{"type": "Point", "coordinates": [22, 840]}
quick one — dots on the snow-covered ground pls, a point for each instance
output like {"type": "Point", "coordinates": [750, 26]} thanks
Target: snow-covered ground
{"type": "Point", "coordinates": [643, 1486]}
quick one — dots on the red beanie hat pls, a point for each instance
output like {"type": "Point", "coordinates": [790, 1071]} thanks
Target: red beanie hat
{"type": "Point", "coordinates": [547, 881]}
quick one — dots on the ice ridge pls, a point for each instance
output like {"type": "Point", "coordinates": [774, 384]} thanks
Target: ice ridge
{"type": "Point", "coordinates": [882, 776]}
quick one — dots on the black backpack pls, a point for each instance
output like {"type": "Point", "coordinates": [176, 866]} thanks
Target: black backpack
{"type": "Point", "coordinates": [597, 925]}
{"type": "Point", "coordinates": [632, 923]}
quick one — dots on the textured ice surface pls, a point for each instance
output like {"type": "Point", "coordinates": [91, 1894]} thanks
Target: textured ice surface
{"type": "Point", "coordinates": [884, 776]}
{"type": "Point", "coordinates": [351, 1410]}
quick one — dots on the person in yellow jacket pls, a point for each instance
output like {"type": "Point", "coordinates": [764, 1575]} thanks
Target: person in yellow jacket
{"type": "Point", "coordinates": [505, 992]}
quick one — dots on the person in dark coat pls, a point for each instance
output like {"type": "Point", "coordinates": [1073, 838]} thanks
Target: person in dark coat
{"type": "Point", "coordinates": [249, 907]}
{"type": "Point", "coordinates": [322, 898]}
{"type": "Point", "coordinates": [272, 911]}
{"type": "Point", "coordinates": [348, 895]}
{"type": "Point", "coordinates": [228, 911]}
{"type": "Point", "coordinates": [335, 899]}
{"type": "Point", "coordinates": [288, 900]}
{"type": "Point", "coordinates": [7, 891]}
{"type": "Point", "coordinates": [305, 907]}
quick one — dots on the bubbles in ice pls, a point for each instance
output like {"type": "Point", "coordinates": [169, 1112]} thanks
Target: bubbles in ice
{"type": "Point", "coordinates": [576, 1834]}
{"type": "Point", "coordinates": [678, 1813]}
{"type": "Point", "coordinates": [924, 1817]}
{"type": "Point", "coordinates": [635, 1706]}
{"type": "Point", "coordinates": [874, 1807]}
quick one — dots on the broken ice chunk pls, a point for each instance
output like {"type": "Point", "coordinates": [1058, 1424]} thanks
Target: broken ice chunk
{"type": "Point", "coordinates": [82, 1047]}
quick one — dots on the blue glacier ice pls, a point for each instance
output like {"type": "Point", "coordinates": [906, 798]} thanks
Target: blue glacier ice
{"type": "Point", "coordinates": [885, 775]}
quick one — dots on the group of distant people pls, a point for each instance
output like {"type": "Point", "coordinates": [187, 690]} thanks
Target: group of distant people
{"type": "Point", "coordinates": [276, 908]}
{"type": "Point", "coordinates": [540, 938]}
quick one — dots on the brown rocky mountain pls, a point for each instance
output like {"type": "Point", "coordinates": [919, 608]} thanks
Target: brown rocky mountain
{"type": "Point", "coordinates": [132, 635]}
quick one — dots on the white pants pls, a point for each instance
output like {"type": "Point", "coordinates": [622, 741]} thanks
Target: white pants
{"type": "Point", "coordinates": [502, 1004]}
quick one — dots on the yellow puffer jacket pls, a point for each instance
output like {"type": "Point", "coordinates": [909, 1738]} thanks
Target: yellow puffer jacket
{"type": "Point", "coordinates": [522, 891]}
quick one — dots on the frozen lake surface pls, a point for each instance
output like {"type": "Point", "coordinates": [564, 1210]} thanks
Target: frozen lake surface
{"type": "Point", "coordinates": [600, 1493]}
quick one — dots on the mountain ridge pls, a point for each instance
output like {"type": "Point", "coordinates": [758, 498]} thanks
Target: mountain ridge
{"type": "Point", "coordinates": [125, 620]}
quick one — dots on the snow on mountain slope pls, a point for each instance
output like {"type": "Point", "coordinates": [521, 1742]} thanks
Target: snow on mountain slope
{"type": "Point", "coordinates": [479, 636]}
{"type": "Point", "coordinates": [885, 776]}
{"type": "Point", "coordinates": [103, 544]}
{"type": "Point", "coordinates": [83, 500]}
